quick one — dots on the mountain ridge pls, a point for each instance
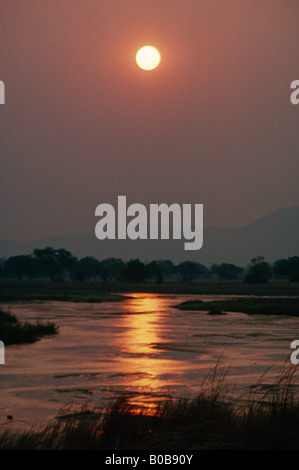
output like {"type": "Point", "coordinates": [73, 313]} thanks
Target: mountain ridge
{"type": "Point", "coordinates": [273, 236]}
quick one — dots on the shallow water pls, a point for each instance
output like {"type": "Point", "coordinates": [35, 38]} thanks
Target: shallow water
{"type": "Point", "coordinates": [141, 346]}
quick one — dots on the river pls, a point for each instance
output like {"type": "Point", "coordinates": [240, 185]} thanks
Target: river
{"type": "Point", "coordinates": [141, 346]}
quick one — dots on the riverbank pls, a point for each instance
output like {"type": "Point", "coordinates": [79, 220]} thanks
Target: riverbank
{"type": "Point", "coordinates": [252, 306]}
{"type": "Point", "coordinates": [100, 291]}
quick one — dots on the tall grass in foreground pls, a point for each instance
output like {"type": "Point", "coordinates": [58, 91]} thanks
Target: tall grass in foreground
{"type": "Point", "coordinates": [211, 420]}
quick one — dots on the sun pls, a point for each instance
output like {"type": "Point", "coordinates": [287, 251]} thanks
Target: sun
{"type": "Point", "coordinates": [148, 58]}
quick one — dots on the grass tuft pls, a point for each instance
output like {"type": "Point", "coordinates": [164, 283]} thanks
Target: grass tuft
{"type": "Point", "coordinates": [12, 331]}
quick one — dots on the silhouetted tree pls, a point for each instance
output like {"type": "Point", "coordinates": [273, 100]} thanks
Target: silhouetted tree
{"type": "Point", "coordinates": [135, 271]}
{"type": "Point", "coordinates": [154, 271]}
{"type": "Point", "coordinates": [2, 270]}
{"type": "Point", "coordinates": [21, 266]}
{"type": "Point", "coordinates": [54, 263]}
{"type": "Point", "coordinates": [88, 268]}
{"type": "Point", "coordinates": [189, 270]}
{"type": "Point", "coordinates": [167, 267]}
{"type": "Point", "coordinates": [287, 267]}
{"type": "Point", "coordinates": [259, 271]}
{"type": "Point", "coordinates": [226, 271]}
{"type": "Point", "coordinates": [66, 261]}
{"type": "Point", "coordinates": [112, 269]}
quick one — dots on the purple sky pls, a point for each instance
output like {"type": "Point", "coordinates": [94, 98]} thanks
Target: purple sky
{"type": "Point", "coordinates": [82, 124]}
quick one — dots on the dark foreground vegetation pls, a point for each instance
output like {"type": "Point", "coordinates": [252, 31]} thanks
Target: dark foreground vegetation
{"type": "Point", "coordinates": [12, 331]}
{"type": "Point", "coordinates": [210, 421]}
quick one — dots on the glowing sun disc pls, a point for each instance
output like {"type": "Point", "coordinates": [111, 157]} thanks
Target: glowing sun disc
{"type": "Point", "coordinates": [148, 58]}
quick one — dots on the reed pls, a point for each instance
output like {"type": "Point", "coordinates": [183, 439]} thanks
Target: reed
{"type": "Point", "coordinates": [266, 419]}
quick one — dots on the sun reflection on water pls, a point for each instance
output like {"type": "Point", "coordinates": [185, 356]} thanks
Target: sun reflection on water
{"type": "Point", "coordinates": [145, 323]}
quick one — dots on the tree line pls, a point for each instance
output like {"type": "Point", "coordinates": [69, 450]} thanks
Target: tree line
{"type": "Point", "coordinates": [57, 264]}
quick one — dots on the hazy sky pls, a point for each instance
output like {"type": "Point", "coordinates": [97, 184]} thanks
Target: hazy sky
{"type": "Point", "coordinates": [82, 124]}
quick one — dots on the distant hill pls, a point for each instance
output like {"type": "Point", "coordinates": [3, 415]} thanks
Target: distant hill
{"type": "Point", "coordinates": [273, 236]}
